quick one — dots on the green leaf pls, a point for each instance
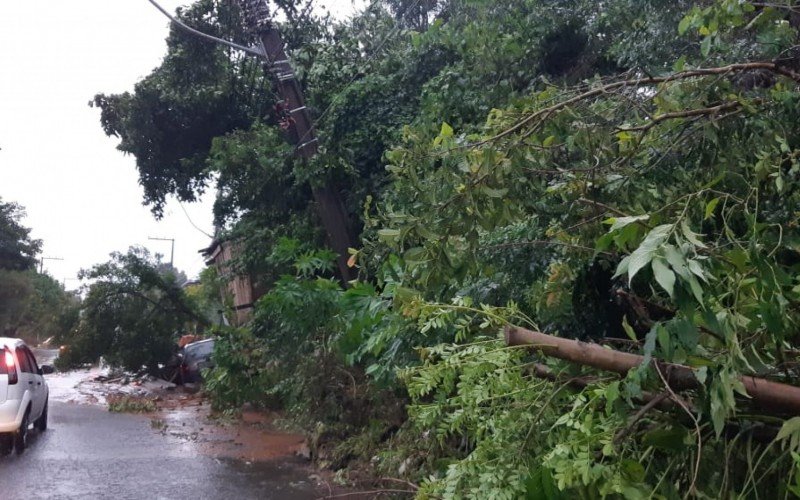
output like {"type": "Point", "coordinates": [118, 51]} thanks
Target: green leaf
{"type": "Point", "coordinates": [739, 258]}
{"type": "Point", "coordinates": [691, 235]}
{"type": "Point", "coordinates": [710, 206]}
{"type": "Point", "coordinates": [677, 261]}
{"type": "Point", "coordinates": [628, 329]}
{"type": "Point", "coordinates": [718, 414]}
{"type": "Point", "coordinates": [685, 332]}
{"type": "Point", "coordinates": [388, 236]}
{"type": "Point", "coordinates": [622, 267]}
{"type": "Point", "coordinates": [541, 486]}
{"type": "Point", "coordinates": [604, 242]}
{"type": "Point", "coordinates": [664, 276]}
{"type": "Point", "coordinates": [791, 431]}
{"type": "Point", "coordinates": [705, 46]}
{"type": "Point", "coordinates": [697, 290]}
{"type": "Point", "coordinates": [620, 222]}
{"type": "Point", "coordinates": [639, 259]}
{"type": "Point", "coordinates": [696, 269]}
{"type": "Point", "coordinates": [624, 136]}
{"type": "Point", "coordinates": [664, 341]}
{"type": "Point", "coordinates": [416, 254]}
{"type": "Point", "coordinates": [447, 130]}
{"type": "Point", "coordinates": [656, 237]}
{"type": "Point", "coordinates": [633, 470]}
{"type": "Point", "coordinates": [698, 362]}
{"type": "Point", "coordinates": [789, 427]}
{"type": "Point", "coordinates": [644, 254]}
{"type": "Point", "coordinates": [685, 23]}
{"type": "Point", "coordinates": [494, 193]}
{"type": "Point", "coordinates": [426, 233]}
{"type": "Point", "coordinates": [680, 64]}
{"type": "Point", "coordinates": [650, 344]}
{"type": "Point", "coordinates": [612, 392]}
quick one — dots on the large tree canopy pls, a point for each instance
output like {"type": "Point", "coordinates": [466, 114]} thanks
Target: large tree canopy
{"type": "Point", "coordinates": [134, 310]}
{"type": "Point", "coordinates": [199, 92]}
{"type": "Point", "coordinates": [32, 306]}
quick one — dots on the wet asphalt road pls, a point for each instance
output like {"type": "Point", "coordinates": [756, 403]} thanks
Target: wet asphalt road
{"type": "Point", "coordinates": [89, 453]}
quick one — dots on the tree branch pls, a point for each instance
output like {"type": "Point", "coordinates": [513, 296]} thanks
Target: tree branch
{"type": "Point", "coordinates": [689, 113]}
{"type": "Point", "coordinates": [637, 82]}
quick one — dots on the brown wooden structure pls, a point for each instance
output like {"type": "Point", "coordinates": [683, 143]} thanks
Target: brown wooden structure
{"type": "Point", "coordinates": [239, 287]}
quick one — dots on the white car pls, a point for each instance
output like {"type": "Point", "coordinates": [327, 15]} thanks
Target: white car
{"type": "Point", "coordinates": [23, 394]}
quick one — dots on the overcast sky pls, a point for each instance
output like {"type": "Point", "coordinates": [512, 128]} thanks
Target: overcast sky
{"type": "Point", "coordinates": [82, 195]}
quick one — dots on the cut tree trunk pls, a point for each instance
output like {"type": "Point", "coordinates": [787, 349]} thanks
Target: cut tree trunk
{"type": "Point", "coordinates": [770, 397]}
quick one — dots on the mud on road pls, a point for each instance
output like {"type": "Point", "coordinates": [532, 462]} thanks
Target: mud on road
{"type": "Point", "coordinates": [176, 451]}
{"type": "Point", "coordinates": [184, 416]}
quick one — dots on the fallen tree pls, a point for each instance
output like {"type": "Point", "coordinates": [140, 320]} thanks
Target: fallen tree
{"type": "Point", "coordinates": [769, 396]}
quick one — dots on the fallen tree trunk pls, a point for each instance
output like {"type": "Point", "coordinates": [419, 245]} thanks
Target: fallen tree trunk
{"type": "Point", "coordinates": [539, 370]}
{"type": "Point", "coordinates": [773, 397]}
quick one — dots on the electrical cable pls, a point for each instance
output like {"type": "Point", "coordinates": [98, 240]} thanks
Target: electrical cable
{"type": "Point", "coordinates": [193, 31]}
{"type": "Point", "coordinates": [191, 221]}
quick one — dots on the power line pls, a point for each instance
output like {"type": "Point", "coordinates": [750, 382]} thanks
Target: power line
{"type": "Point", "coordinates": [42, 259]}
{"type": "Point", "coordinates": [193, 31]}
{"type": "Point", "coordinates": [263, 55]}
{"type": "Point", "coordinates": [191, 221]}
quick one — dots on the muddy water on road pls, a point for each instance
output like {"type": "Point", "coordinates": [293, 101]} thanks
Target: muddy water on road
{"type": "Point", "coordinates": [177, 452]}
{"type": "Point", "coordinates": [90, 453]}
{"type": "Point", "coordinates": [184, 417]}
{"type": "Point", "coordinates": [187, 420]}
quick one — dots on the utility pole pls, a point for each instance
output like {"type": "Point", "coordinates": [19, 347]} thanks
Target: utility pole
{"type": "Point", "coordinates": [41, 262]}
{"type": "Point", "coordinates": [294, 116]}
{"type": "Point", "coordinates": [299, 128]}
{"type": "Point", "coordinates": [171, 252]}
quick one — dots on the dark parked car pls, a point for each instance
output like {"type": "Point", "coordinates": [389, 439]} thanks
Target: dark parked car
{"type": "Point", "coordinates": [194, 358]}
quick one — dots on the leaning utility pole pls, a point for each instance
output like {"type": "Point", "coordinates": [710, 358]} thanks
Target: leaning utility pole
{"type": "Point", "coordinates": [294, 118]}
{"type": "Point", "coordinates": [299, 127]}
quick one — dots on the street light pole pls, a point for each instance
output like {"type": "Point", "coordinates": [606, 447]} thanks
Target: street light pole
{"type": "Point", "coordinates": [172, 250]}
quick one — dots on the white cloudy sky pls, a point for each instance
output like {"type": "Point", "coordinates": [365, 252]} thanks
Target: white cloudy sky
{"type": "Point", "coordinates": [81, 194]}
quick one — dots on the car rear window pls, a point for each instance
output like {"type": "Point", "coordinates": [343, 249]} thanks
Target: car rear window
{"type": "Point", "coordinates": [3, 367]}
{"type": "Point", "coordinates": [24, 361]}
{"type": "Point", "coordinates": [201, 349]}
{"type": "Point", "coordinates": [31, 360]}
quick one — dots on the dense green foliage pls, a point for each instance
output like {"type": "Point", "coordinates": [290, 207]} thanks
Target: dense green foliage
{"type": "Point", "coordinates": [17, 249]}
{"type": "Point", "coordinates": [626, 172]}
{"type": "Point", "coordinates": [132, 315]}
{"type": "Point", "coordinates": [33, 306]}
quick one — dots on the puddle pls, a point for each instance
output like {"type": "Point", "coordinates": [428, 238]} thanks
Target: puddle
{"type": "Point", "coordinates": [184, 417]}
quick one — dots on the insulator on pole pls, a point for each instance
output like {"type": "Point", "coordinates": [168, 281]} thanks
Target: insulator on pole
{"type": "Point", "coordinates": [256, 15]}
